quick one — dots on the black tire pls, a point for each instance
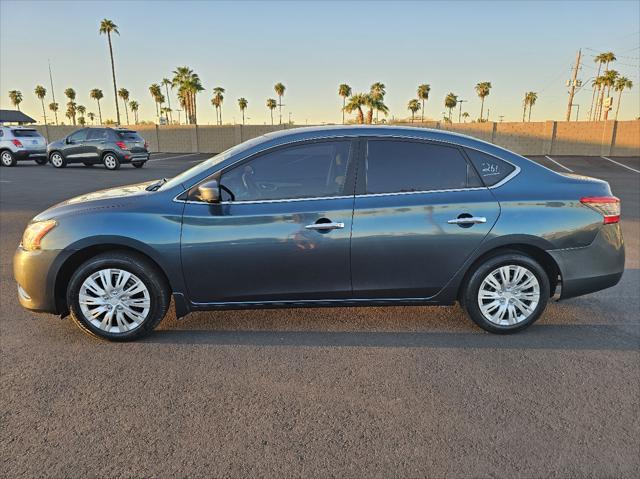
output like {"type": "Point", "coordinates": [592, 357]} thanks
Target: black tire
{"type": "Point", "coordinates": [110, 161]}
{"type": "Point", "coordinates": [57, 160]}
{"type": "Point", "coordinates": [7, 158]}
{"type": "Point", "coordinates": [87, 164]}
{"type": "Point", "coordinates": [41, 161]}
{"type": "Point", "coordinates": [138, 164]}
{"type": "Point", "coordinates": [469, 297]}
{"type": "Point", "coordinates": [147, 272]}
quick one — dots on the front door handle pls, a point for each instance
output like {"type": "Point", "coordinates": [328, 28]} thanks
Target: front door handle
{"type": "Point", "coordinates": [469, 220]}
{"type": "Point", "coordinates": [325, 226]}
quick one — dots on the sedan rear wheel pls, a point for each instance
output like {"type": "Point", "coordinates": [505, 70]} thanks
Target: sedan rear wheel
{"type": "Point", "coordinates": [111, 162]}
{"type": "Point", "coordinates": [506, 293]}
{"type": "Point", "coordinates": [117, 296]}
{"type": "Point", "coordinates": [57, 160]}
{"type": "Point", "coordinates": [7, 158]}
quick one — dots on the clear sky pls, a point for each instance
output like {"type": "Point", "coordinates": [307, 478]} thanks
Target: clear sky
{"type": "Point", "coordinates": [311, 47]}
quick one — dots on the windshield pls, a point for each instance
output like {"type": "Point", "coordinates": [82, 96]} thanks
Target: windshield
{"type": "Point", "coordinates": [211, 162]}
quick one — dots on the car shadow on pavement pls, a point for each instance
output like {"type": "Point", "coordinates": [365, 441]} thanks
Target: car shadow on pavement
{"type": "Point", "coordinates": [544, 337]}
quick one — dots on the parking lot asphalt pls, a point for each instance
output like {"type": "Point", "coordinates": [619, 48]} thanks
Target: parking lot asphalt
{"type": "Point", "coordinates": [357, 392]}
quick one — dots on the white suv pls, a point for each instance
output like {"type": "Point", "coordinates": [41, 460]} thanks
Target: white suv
{"type": "Point", "coordinates": [19, 143]}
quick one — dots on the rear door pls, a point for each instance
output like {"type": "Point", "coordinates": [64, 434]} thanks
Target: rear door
{"type": "Point", "coordinates": [420, 212]}
{"type": "Point", "coordinates": [93, 145]}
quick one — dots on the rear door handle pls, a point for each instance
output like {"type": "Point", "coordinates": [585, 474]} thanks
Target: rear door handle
{"type": "Point", "coordinates": [468, 220]}
{"type": "Point", "coordinates": [325, 226]}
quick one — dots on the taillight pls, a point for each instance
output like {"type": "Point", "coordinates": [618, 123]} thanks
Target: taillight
{"type": "Point", "coordinates": [122, 145]}
{"type": "Point", "coordinates": [607, 206]}
{"type": "Point", "coordinates": [17, 143]}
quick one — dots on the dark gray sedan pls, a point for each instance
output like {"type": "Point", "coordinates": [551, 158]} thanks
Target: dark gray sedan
{"type": "Point", "coordinates": [339, 216]}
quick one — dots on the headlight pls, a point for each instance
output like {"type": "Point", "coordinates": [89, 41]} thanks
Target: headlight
{"type": "Point", "coordinates": [35, 232]}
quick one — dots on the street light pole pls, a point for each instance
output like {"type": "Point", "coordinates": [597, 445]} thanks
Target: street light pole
{"type": "Point", "coordinates": [460, 112]}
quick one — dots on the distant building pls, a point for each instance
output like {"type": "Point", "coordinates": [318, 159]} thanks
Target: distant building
{"type": "Point", "coordinates": [15, 116]}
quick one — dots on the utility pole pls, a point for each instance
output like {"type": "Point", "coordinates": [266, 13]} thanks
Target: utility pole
{"type": "Point", "coordinates": [460, 112]}
{"type": "Point", "coordinates": [572, 84]}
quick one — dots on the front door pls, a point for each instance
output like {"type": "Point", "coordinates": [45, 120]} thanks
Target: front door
{"type": "Point", "coordinates": [282, 231]}
{"type": "Point", "coordinates": [423, 210]}
{"type": "Point", "coordinates": [74, 149]}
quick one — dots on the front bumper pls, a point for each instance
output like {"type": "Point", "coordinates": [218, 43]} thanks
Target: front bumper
{"type": "Point", "coordinates": [592, 268]}
{"type": "Point", "coordinates": [35, 273]}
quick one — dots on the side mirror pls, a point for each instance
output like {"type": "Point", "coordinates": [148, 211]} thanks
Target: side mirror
{"type": "Point", "coordinates": [209, 191]}
{"type": "Point", "coordinates": [68, 141]}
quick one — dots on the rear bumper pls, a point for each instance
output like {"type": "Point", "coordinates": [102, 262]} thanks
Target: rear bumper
{"type": "Point", "coordinates": [21, 155]}
{"type": "Point", "coordinates": [592, 268]}
{"type": "Point", "coordinates": [127, 157]}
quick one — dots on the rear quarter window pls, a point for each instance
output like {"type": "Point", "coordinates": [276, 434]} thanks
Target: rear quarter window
{"type": "Point", "coordinates": [492, 170]}
{"type": "Point", "coordinates": [128, 136]}
{"type": "Point", "coordinates": [26, 133]}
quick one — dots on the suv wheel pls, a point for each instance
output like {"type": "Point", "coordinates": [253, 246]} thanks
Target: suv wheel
{"type": "Point", "coordinates": [7, 158]}
{"type": "Point", "coordinates": [138, 164]}
{"type": "Point", "coordinates": [117, 296]}
{"type": "Point", "coordinates": [111, 162]}
{"type": "Point", "coordinates": [506, 293]}
{"type": "Point", "coordinates": [57, 160]}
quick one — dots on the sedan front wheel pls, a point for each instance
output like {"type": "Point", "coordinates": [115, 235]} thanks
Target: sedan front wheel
{"type": "Point", "coordinates": [118, 296]}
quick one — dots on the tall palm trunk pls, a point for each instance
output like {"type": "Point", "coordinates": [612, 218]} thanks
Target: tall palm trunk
{"type": "Point", "coordinates": [157, 111]}
{"type": "Point", "coordinates": [370, 116]}
{"type": "Point", "coordinates": [243, 117]}
{"type": "Point", "coordinates": [126, 111]}
{"type": "Point", "coordinates": [593, 96]}
{"type": "Point", "coordinates": [220, 115]}
{"type": "Point", "coordinates": [44, 113]}
{"type": "Point", "coordinates": [360, 116]}
{"type": "Point", "coordinates": [280, 107]}
{"type": "Point", "coordinates": [344, 102]}
{"type": "Point", "coordinates": [271, 109]}
{"type": "Point", "coordinates": [113, 74]}
{"type": "Point", "coordinates": [166, 86]}
{"type": "Point", "coordinates": [413, 114]}
{"type": "Point", "coordinates": [618, 105]}
{"type": "Point", "coordinates": [422, 112]}
{"type": "Point", "coordinates": [524, 111]}
{"type": "Point", "coordinates": [530, 107]}
{"type": "Point", "coordinates": [601, 103]}
{"type": "Point", "coordinates": [481, 108]}
{"type": "Point", "coordinates": [99, 111]}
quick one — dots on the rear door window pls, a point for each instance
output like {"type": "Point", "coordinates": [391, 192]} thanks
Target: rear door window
{"type": "Point", "coordinates": [26, 133]}
{"type": "Point", "coordinates": [399, 166]}
{"type": "Point", "coordinates": [96, 134]}
{"type": "Point", "coordinates": [492, 170]}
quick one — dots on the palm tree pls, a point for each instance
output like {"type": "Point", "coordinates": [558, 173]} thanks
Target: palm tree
{"type": "Point", "coordinates": [242, 103]}
{"type": "Point", "coordinates": [375, 102]}
{"type": "Point", "coordinates": [81, 109]}
{"type": "Point", "coordinates": [376, 92]}
{"type": "Point", "coordinates": [166, 110]}
{"type": "Point", "coordinates": [71, 111]}
{"type": "Point", "coordinates": [96, 94]}
{"type": "Point", "coordinates": [465, 115]}
{"type": "Point", "coordinates": [355, 103]}
{"type": "Point", "coordinates": [108, 27]}
{"type": "Point", "coordinates": [156, 92]}
{"type": "Point", "coordinates": [413, 106]}
{"type": "Point", "coordinates": [423, 94]}
{"type": "Point", "coordinates": [81, 121]}
{"type": "Point", "coordinates": [602, 59]}
{"type": "Point", "coordinates": [525, 103]}
{"type": "Point", "coordinates": [41, 92]}
{"type": "Point", "coordinates": [530, 99]}
{"type": "Point", "coordinates": [218, 96]}
{"type": "Point", "coordinates": [134, 105]}
{"type": "Point", "coordinates": [483, 89]}
{"type": "Point", "coordinates": [16, 98]}
{"type": "Point", "coordinates": [168, 83]}
{"type": "Point", "coordinates": [344, 91]}
{"type": "Point", "coordinates": [124, 94]}
{"type": "Point", "coordinates": [54, 108]}
{"type": "Point", "coordinates": [91, 116]}
{"type": "Point", "coordinates": [189, 85]}
{"type": "Point", "coordinates": [622, 83]}
{"type": "Point", "coordinates": [70, 93]}
{"type": "Point", "coordinates": [610, 78]}
{"type": "Point", "coordinates": [279, 88]}
{"type": "Point", "coordinates": [450, 102]}
{"type": "Point", "coordinates": [271, 105]}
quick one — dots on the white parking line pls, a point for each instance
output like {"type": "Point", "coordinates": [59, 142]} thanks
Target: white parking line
{"type": "Point", "coordinates": [175, 157]}
{"type": "Point", "coordinates": [559, 164]}
{"type": "Point", "coordinates": [620, 164]}
{"type": "Point", "coordinates": [5, 181]}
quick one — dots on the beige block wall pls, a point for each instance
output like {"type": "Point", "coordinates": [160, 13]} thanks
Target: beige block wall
{"type": "Point", "coordinates": [626, 141]}
{"type": "Point", "coordinates": [538, 138]}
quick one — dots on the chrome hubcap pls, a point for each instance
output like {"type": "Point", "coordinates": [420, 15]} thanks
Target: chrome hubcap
{"type": "Point", "coordinates": [110, 161]}
{"type": "Point", "coordinates": [6, 158]}
{"type": "Point", "coordinates": [56, 160]}
{"type": "Point", "coordinates": [509, 295]}
{"type": "Point", "coordinates": [114, 300]}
